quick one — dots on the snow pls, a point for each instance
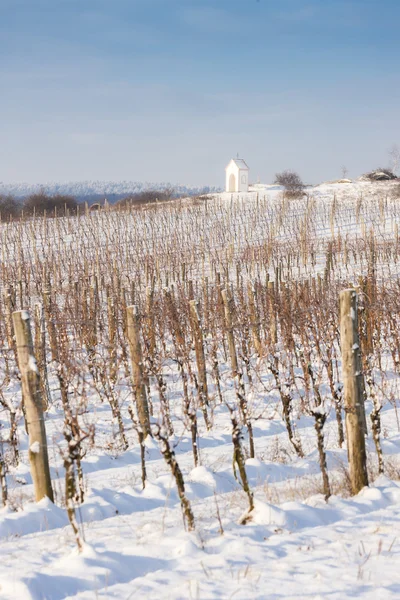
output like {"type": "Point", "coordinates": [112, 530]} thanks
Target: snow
{"type": "Point", "coordinates": [345, 549]}
{"type": "Point", "coordinates": [35, 447]}
{"type": "Point", "coordinates": [32, 364]}
{"type": "Point", "coordinates": [293, 546]}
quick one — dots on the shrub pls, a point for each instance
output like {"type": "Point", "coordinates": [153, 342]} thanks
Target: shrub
{"type": "Point", "coordinates": [9, 207]}
{"type": "Point", "coordinates": [292, 183]}
{"type": "Point", "coordinates": [147, 197]}
{"type": "Point", "coordinates": [380, 174]}
{"type": "Point", "coordinates": [41, 203]}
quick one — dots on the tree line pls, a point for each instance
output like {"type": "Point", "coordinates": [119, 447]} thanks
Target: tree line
{"type": "Point", "coordinates": [42, 203]}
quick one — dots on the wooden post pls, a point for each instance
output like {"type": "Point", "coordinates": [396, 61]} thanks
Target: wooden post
{"type": "Point", "coordinates": [199, 349]}
{"type": "Point", "coordinates": [353, 389]}
{"type": "Point", "coordinates": [227, 300]}
{"type": "Point", "coordinates": [272, 311]}
{"type": "Point", "coordinates": [32, 398]}
{"type": "Point", "coordinates": [40, 353]}
{"type": "Point", "coordinates": [112, 335]}
{"type": "Point", "coordinates": [150, 325]}
{"type": "Point", "coordinates": [254, 320]}
{"type": "Point", "coordinates": [9, 301]}
{"type": "Point", "coordinates": [139, 383]}
{"type": "Point", "coordinates": [236, 372]}
{"type": "Point", "coordinates": [48, 312]}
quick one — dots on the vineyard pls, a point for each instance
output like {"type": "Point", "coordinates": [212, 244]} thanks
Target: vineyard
{"type": "Point", "coordinates": [173, 418]}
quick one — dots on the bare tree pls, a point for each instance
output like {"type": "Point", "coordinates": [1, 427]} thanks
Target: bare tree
{"type": "Point", "coordinates": [291, 181]}
{"type": "Point", "coordinates": [41, 203]}
{"type": "Point", "coordinates": [9, 207]}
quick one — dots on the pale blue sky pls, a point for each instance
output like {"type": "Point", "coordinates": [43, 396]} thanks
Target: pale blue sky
{"type": "Point", "coordinates": [170, 90]}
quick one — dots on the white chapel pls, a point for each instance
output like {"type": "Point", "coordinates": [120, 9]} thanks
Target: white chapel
{"type": "Point", "coordinates": [237, 176]}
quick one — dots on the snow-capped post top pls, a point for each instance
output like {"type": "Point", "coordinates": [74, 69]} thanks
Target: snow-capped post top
{"type": "Point", "coordinates": [35, 447]}
{"type": "Point", "coordinates": [352, 309]}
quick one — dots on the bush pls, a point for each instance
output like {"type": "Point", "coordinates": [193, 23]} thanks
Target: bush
{"type": "Point", "coordinates": [41, 203]}
{"type": "Point", "coordinates": [381, 174]}
{"type": "Point", "coordinates": [147, 197]}
{"type": "Point", "coordinates": [292, 183]}
{"type": "Point", "coordinates": [9, 207]}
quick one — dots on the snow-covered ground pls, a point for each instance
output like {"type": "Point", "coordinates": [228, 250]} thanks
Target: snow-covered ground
{"type": "Point", "coordinates": [295, 546]}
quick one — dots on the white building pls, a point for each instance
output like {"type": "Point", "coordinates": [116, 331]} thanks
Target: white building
{"type": "Point", "coordinates": [237, 176]}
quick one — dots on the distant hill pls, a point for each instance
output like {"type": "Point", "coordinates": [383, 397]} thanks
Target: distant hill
{"type": "Point", "coordinates": [92, 191]}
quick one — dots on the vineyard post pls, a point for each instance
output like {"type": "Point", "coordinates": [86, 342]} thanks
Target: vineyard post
{"type": "Point", "coordinates": [139, 383]}
{"type": "Point", "coordinates": [229, 331]}
{"type": "Point", "coordinates": [254, 320]}
{"type": "Point", "coordinates": [272, 312]}
{"type": "Point", "coordinates": [32, 398]}
{"type": "Point", "coordinates": [199, 349]}
{"type": "Point", "coordinates": [353, 389]}
{"type": "Point", "coordinates": [48, 312]}
{"type": "Point", "coordinates": [151, 329]}
{"type": "Point", "coordinates": [236, 372]}
{"type": "Point", "coordinates": [9, 301]}
{"type": "Point", "coordinates": [40, 353]}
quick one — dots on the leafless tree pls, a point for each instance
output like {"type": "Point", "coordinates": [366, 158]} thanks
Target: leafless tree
{"type": "Point", "coordinates": [291, 181]}
{"type": "Point", "coordinates": [41, 203]}
{"type": "Point", "coordinates": [9, 207]}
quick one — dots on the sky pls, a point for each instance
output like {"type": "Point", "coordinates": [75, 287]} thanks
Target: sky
{"type": "Point", "coordinates": [170, 90]}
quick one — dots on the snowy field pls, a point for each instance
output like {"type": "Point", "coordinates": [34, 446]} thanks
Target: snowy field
{"type": "Point", "coordinates": [295, 544]}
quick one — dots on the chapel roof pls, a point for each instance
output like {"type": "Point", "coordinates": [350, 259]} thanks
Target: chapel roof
{"type": "Point", "coordinates": [240, 163]}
